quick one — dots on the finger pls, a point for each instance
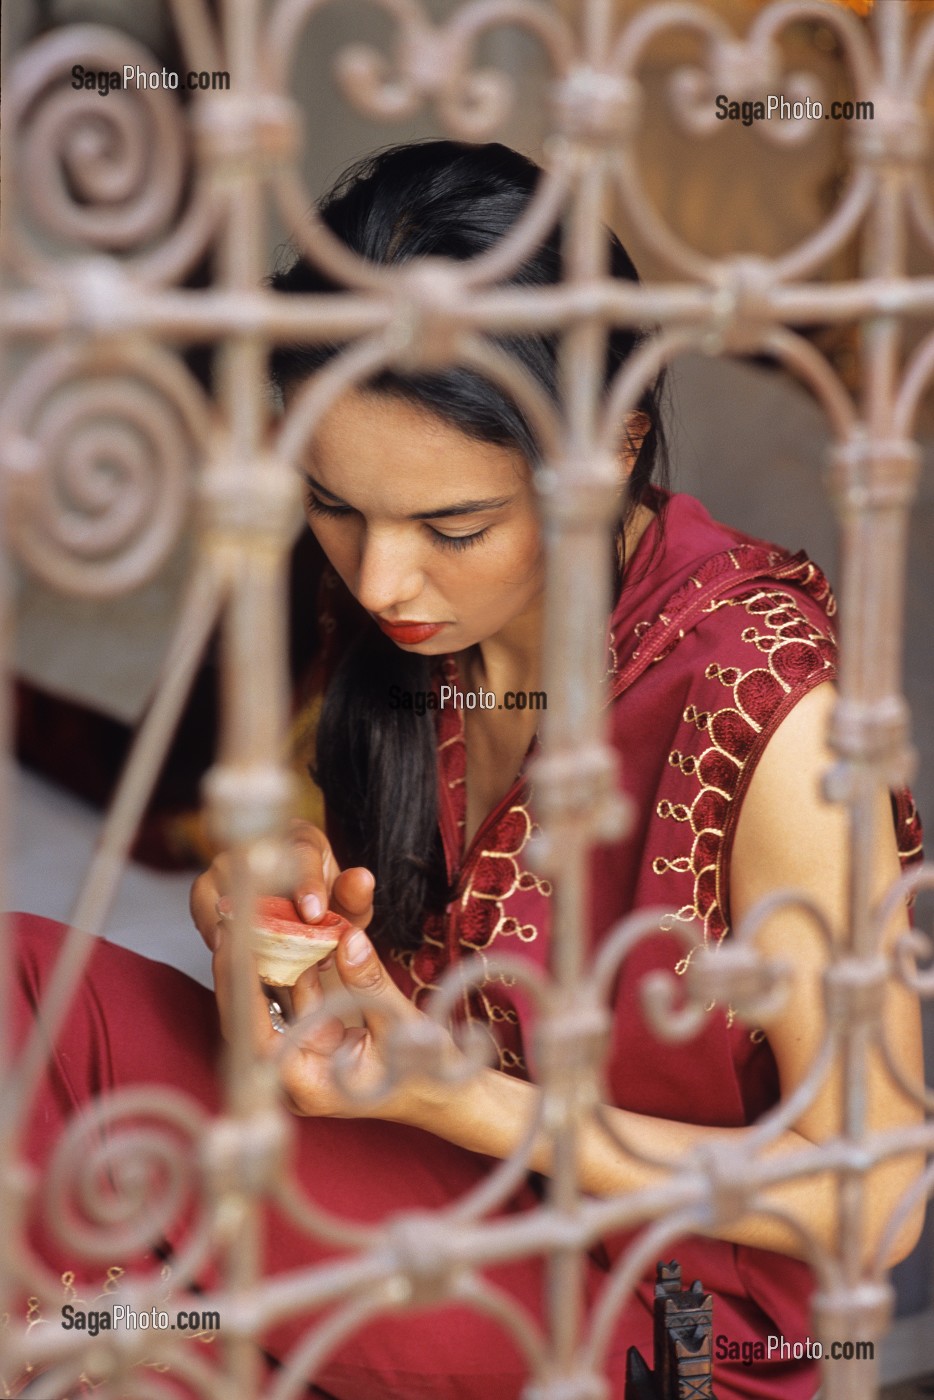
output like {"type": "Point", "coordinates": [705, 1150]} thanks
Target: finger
{"type": "Point", "coordinates": [308, 1084]}
{"type": "Point", "coordinates": [327, 1032]}
{"type": "Point", "coordinates": [317, 870]}
{"type": "Point", "coordinates": [207, 890]}
{"type": "Point", "coordinates": [264, 1037]}
{"type": "Point", "coordinates": [362, 972]}
{"type": "Point", "coordinates": [352, 895]}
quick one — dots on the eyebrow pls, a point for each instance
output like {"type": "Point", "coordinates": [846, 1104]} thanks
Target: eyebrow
{"type": "Point", "coordinates": [439, 513]}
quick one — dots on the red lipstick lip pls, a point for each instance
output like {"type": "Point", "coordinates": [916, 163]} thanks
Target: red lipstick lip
{"type": "Point", "coordinates": [409, 633]}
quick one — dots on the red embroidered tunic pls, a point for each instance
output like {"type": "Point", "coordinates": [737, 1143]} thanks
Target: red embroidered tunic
{"type": "Point", "coordinates": [714, 639]}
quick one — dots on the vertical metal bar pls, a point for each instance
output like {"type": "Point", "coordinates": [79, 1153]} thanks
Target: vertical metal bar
{"type": "Point", "coordinates": [252, 672]}
{"type": "Point", "coordinates": [9, 1214]}
{"type": "Point", "coordinates": [874, 542]}
{"type": "Point", "coordinates": [246, 538]}
{"type": "Point", "coordinates": [574, 663]}
{"type": "Point", "coordinates": [599, 21]}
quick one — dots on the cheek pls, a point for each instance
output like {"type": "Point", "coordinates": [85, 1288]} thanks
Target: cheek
{"type": "Point", "coordinates": [511, 565]}
{"type": "Point", "coordinates": [522, 562]}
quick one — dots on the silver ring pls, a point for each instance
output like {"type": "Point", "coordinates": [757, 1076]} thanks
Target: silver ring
{"type": "Point", "coordinates": [279, 1023]}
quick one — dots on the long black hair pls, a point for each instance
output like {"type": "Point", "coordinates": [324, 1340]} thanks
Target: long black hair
{"type": "Point", "coordinates": [376, 765]}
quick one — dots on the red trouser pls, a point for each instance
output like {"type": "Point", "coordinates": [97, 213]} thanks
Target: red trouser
{"type": "Point", "coordinates": [133, 1021]}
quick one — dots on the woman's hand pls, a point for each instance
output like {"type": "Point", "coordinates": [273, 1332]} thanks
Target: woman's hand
{"type": "Point", "coordinates": [306, 1053]}
{"type": "Point", "coordinates": [321, 885]}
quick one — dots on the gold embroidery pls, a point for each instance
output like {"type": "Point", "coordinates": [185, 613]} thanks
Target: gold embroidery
{"type": "Point", "coordinates": [661, 865]}
{"type": "Point", "coordinates": [720, 767]}
{"type": "Point", "coordinates": [502, 924]}
{"type": "Point", "coordinates": [34, 1317]}
{"type": "Point", "coordinates": [407, 959]}
{"type": "Point", "coordinates": [910, 818]}
{"type": "Point", "coordinates": [678, 637]}
{"type": "Point", "coordinates": [727, 675]}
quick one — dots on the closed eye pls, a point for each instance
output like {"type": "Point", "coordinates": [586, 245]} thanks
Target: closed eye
{"type": "Point", "coordinates": [315, 506]}
{"type": "Point", "coordinates": [457, 541]}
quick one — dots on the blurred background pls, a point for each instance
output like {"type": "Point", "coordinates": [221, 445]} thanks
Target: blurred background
{"type": "Point", "coordinates": [744, 436]}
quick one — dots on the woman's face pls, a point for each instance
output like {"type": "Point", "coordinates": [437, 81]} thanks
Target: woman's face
{"type": "Point", "coordinates": [424, 524]}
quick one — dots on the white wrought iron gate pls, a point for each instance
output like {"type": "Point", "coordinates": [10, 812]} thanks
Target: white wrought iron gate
{"type": "Point", "coordinates": [135, 190]}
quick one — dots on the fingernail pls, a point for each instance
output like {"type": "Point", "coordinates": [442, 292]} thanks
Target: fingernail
{"type": "Point", "coordinates": [224, 906]}
{"type": "Point", "coordinates": [311, 907]}
{"type": "Point", "coordinates": [325, 963]}
{"type": "Point", "coordinates": [358, 947]}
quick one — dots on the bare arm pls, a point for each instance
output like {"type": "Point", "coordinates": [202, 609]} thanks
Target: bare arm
{"type": "Point", "coordinates": [786, 836]}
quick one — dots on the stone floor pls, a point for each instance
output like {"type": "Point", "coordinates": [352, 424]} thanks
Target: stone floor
{"type": "Point", "coordinates": [53, 839]}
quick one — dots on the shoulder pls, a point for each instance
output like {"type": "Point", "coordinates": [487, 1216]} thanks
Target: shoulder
{"type": "Point", "coordinates": [787, 824]}
{"type": "Point", "coordinates": [720, 694]}
{"type": "Point", "coordinates": [790, 833]}
{"type": "Point", "coordinates": [756, 652]}
{"type": "Point", "coordinates": [732, 669]}
{"type": "Point", "coordinates": [753, 659]}
{"type": "Point", "coordinates": [694, 583]}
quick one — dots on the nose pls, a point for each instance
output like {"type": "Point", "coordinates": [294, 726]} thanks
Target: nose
{"type": "Point", "coordinates": [388, 576]}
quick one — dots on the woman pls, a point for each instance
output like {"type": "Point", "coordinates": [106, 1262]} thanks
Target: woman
{"type": "Point", "coordinates": [420, 493]}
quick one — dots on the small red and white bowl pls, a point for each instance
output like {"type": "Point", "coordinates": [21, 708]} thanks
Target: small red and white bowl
{"type": "Point", "coordinates": [285, 946]}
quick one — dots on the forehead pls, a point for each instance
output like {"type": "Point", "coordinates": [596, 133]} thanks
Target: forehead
{"type": "Point", "coordinates": [368, 439]}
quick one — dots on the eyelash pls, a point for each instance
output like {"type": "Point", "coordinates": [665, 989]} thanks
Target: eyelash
{"type": "Point", "coordinates": [455, 542]}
